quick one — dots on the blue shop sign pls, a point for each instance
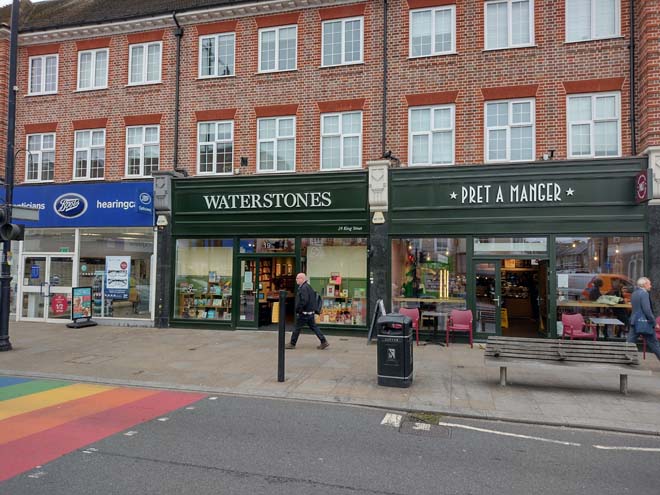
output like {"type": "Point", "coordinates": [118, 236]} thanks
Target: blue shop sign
{"type": "Point", "coordinates": [115, 204]}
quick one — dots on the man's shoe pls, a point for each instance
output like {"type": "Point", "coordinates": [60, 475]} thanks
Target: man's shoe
{"type": "Point", "coordinates": [290, 346]}
{"type": "Point", "coordinates": [324, 345]}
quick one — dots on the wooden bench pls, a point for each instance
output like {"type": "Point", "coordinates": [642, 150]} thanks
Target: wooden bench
{"type": "Point", "coordinates": [576, 355]}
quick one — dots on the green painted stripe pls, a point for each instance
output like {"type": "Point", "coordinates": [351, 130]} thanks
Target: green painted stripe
{"type": "Point", "coordinates": [27, 388]}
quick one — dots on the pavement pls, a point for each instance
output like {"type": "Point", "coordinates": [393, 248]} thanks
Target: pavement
{"type": "Point", "coordinates": [451, 381]}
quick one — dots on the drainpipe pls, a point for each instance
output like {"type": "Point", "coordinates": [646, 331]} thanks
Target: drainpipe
{"type": "Point", "coordinates": [179, 34]}
{"type": "Point", "coordinates": [384, 121]}
{"type": "Point", "coordinates": [633, 136]}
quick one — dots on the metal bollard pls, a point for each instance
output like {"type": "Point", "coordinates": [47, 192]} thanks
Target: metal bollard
{"type": "Point", "coordinates": [281, 334]}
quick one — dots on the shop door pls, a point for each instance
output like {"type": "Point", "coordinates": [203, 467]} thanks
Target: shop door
{"type": "Point", "coordinates": [46, 288]}
{"type": "Point", "coordinates": [487, 313]}
{"type": "Point", "coordinates": [249, 292]}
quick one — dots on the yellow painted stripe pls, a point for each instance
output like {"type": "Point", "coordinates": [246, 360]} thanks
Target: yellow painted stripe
{"type": "Point", "coordinates": [28, 403]}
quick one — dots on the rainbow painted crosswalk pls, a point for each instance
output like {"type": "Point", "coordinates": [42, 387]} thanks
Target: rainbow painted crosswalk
{"type": "Point", "coordinates": [41, 420]}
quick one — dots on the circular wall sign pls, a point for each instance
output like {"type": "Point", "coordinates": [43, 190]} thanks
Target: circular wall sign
{"type": "Point", "coordinates": [641, 187]}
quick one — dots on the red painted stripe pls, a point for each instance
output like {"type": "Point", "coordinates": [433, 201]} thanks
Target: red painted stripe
{"type": "Point", "coordinates": [24, 454]}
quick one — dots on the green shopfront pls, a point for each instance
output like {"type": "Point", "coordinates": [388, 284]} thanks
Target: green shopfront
{"type": "Point", "coordinates": [238, 241]}
{"type": "Point", "coordinates": [519, 245]}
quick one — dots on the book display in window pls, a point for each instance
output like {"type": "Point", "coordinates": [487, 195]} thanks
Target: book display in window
{"type": "Point", "coordinates": [209, 301]}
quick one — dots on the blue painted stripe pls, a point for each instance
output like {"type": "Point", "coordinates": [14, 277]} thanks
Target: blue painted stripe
{"type": "Point", "coordinates": [6, 381]}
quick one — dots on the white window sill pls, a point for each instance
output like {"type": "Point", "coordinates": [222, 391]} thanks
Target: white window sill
{"type": "Point", "coordinates": [340, 169]}
{"type": "Point", "coordinates": [491, 162]}
{"type": "Point", "coordinates": [214, 174]}
{"type": "Point", "coordinates": [614, 37]}
{"type": "Point", "coordinates": [137, 177]}
{"type": "Point", "coordinates": [90, 90]}
{"type": "Point", "coordinates": [347, 64]}
{"type": "Point", "coordinates": [275, 172]}
{"type": "Point", "coordinates": [207, 78]}
{"type": "Point", "coordinates": [592, 157]}
{"type": "Point", "coordinates": [415, 165]}
{"type": "Point", "coordinates": [41, 94]}
{"type": "Point", "coordinates": [86, 179]}
{"type": "Point", "coordinates": [517, 47]}
{"type": "Point", "coordinates": [432, 55]}
{"type": "Point", "coordinates": [34, 181]}
{"type": "Point", "coordinates": [137, 85]}
{"type": "Point", "coordinates": [276, 71]}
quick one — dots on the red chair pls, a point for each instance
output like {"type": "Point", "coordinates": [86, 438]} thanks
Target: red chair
{"type": "Point", "coordinates": [460, 320]}
{"type": "Point", "coordinates": [657, 334]}
{"type": "Point", "coordinates": [574, 325]}
{"type": "Point", "coordinates": [413, 314]}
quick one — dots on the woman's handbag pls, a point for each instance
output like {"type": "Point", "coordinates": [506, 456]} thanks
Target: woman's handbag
{"type": "Point", "coordinates": [644, 326]}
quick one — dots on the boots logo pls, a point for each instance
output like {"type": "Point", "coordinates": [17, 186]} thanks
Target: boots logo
{"type": "Point", "coordinates": [70, 205]}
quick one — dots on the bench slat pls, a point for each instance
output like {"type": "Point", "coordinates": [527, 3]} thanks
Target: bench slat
{"type": "Point", "coordinates": [623, 369]}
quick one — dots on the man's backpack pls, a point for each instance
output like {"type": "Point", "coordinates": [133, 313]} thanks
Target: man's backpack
{"type": "Point", "coordinates": [318, 306]}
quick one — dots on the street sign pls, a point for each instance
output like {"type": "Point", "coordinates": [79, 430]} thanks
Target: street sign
{"type": "Point", "coordinates": [23, 213]}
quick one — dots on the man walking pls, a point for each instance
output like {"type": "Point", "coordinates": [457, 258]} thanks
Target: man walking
{"type": "Point", "coordinates": [642, 320]}
{"type": "Point", "coordinates": [305, 304]}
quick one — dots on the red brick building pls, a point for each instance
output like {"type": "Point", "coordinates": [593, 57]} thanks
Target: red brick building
{"type": "Point", "coordinates": [532, 89]}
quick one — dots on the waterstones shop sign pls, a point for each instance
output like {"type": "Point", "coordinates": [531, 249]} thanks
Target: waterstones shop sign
{"type": "Point", "coordinates": [490, 194]}
{"type": "Point", "coordinates": [268, 201]}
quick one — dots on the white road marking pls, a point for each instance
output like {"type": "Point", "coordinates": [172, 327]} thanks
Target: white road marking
{"type": "Point", "coordinates": [422, 426]}
{"type": "Point", "coordinates": [213, 398]}
{"type": "Point", "coordinates": [38, 474]}
{"type": "Point", "coordinates": [392, 420]}
{"type": "Point", "coordinates": [163, 419]}
{"type": "Point", "coordinates": [506, 434]}
{"type": "Point", "coordinates": [190, 408]}
{"type": "Point", "coordinates": [130, 433]}
{"type": "Point", "coordinates": [640, 449]}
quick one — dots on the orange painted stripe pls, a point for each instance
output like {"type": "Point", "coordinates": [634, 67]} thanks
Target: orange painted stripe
{"type": "Point", "coordinates": [23, 425]}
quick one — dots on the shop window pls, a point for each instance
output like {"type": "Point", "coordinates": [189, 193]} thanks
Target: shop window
{"type": "Point", "coordinates": [274, 245]}
{"type": "Point", "coordinates": [40, 158]}
{"type": "Point", "coordinates": [43, 75]}
{"type": "Point", "coordinates": [277, 49]}
{"type": "Point", "coordinates": [432, 31]}
{"type": "Point", "coordinates": [337, 270]}
{"type": "Point", "coordinates": [49, 240]}
{"type": "Point", "coordinates": [510, 245]}
{"type": "Point", "coordinates": [509, 23]}
{"type": "Point", "coordinates": [93, 69]}
{"type": "Point", "coordinates": [203, 279]}
{"type": "Point", "coordinates": [510, 130]}
{"type": "Point", "coordinates": [342, 41]}
{"type": "Point", "coordinates": [89, 154]}
{"type": "Point", "coordinates": [429, 274]}
{"type": "Point", "coordinates": [117, 265]}
{"type": "Point", "coordinates": [216, 55]}
{"type": "Point", "coordinates": [596, 277]}
{"type": "Point", "coordinates": [594, 127]}
{"type": "Point", "coordinates": [144, 63]}
{"type": "Point", "coordinates": [341, 140]}
{"type": "Point", "coordinates": [216, 147]}
{"type": "Point", "coordinates": [592, 19]}
{"type": "Point", "coordinates": [142, 150]}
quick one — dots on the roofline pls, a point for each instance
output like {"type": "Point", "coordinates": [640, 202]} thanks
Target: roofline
{"type": "Point", "coordinates": [155, 21]}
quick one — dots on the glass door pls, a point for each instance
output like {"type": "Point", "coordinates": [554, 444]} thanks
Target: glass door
{"type": "Point", "coordinates": [249, 293]}
{"type": "Point", "coordinates": [488, 313]}
{"type": "Point", "coordinates": [46, 288]}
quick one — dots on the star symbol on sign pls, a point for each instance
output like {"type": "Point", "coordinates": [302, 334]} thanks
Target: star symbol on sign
{"type": "Point", "coordinates": [569, 191]}
{"type": "Point", "coordinates": [452, 195]}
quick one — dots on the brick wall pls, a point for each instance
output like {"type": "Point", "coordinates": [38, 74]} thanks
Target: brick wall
{"type": "Point", "coordinates": [4, 77]}
{"type": "Point", "coordinates": [546, 67]}
{"type": "Point", "coordinates": [647, 34]}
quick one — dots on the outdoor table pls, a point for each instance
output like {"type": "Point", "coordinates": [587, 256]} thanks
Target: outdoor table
{"type": "Point", "coordinates": [605, 322]}
{"type": "Point", "coordinates": [436, 315]}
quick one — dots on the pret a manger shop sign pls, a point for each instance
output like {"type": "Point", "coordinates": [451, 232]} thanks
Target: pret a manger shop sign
{"type": "Point", "coordinates": [268, 201]}
{"type": "Point", "coordinates": [517, 193]}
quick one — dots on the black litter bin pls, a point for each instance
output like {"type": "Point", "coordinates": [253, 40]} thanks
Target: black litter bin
{"type": "Point", "coordinates": [395, 352]}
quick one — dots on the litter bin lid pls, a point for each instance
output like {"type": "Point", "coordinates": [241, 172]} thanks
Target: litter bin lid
{"type": "Point", "coordinates": [394, 318]}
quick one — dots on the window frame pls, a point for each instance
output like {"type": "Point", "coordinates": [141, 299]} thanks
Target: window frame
{"type": "Point", "coordinates": [88, 150]}
{"type": "Point", "coordinates": [508, 128]}
{"type": "Point", "coordinates": [145, 61]}
{"type": "Point", "coordinates": [141, 146]}
{"type": "Point", "coordinates": [42, 75]}
{"type": "Point", "coordinates": [277, 30]}
{"type": "Point", "coordinates": [452, 109]}
{"type": "Point", "coordinates": [215, 148]}
{"type": "Point", "coordinates": [29, 153]}
{"type": "Point", "coordinates": [343, 41]}
{"type": "Point", "coordinates": [215, 37]}
{"type": "Point", "coordinates": [569, 139]}
{"type": "Point", "coordinates": [94, 53]}
{"type": "Point", "coordinates": [342, 136]}
{"type": "Point", "coordinates": [275, 140]}
{"type": "Point", "coordinates": [433, 10]}
{"type": "Point", "coordinates": [592, 25]}
{"type": "Point", "coordinates": [509, 44]}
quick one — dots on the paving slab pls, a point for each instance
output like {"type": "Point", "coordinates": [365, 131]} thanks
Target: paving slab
{"type": "Point", "coordinates": [450, 381]}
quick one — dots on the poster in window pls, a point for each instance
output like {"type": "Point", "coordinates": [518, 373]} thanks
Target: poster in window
{"type": "Point", "coordinates": [117, 277]}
